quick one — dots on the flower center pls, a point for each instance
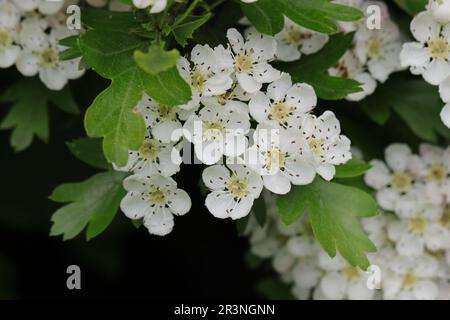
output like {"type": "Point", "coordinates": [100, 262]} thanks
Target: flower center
{"type": "Point", "coordinates": [48, 57]}
{"type": "Point", "coordinates": [351, 273]}
{"type": "Point", "coordinates": [198, 79]}
{"type": "Point", "coordinates": [166, 112]}
{"type": "Point", "coordinates": [417, 225]}
{"type": "Point", "coordinates": [149, 150]}
{"type": "Point", "coordinates": [244, 63]}
{"type": "Point", "coordinates": [238, 187]}
{"type": "Point", "coordinates": [409, 280]}
{"type": "Point", "coordinates": [295, 36]}
{"type": "Point", "coordinates": [5, 39]}
{"type": "Point", "coordinates": [213, 130]}
{"type": "Point", "coordinates": [316, 145]}
{"type": "Point", "coordinates": [375, 48]}
{"type": "Point", "coordinates": [437, 173]}
{"type": "Point", "coordinates": [439, 48]}
{"type": "Point", "coordinates": [275, 160]}
{"type": "Point", "coordinates": [401, 182]}
{"type": "Point", "coordinates": [280, 112]}
{"type": "Point", "coordinates": [157, 197]}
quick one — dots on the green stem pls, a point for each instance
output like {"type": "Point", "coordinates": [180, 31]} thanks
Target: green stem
{"type": "Point", "coordinates": [216, 4]}
{"type": "Point", "coordinates": [188, 11]}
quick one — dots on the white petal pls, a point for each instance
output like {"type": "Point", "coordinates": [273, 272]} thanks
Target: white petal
{"type": "Point", "coordinates": [163, 131]}
{"type": "Point", "coordinates": [265, 73]}
{"type": "Point", "coordinates": [424, 27]}
{"type": "Point", "coordinates": [259, 106]}
{"type": "Point", "coordinates": [326, 171]}
{"type": "Point", "coordinates": [52, 78]}
{"type": "Point", "coordinates": [277, 183]}
{"type": "Point", "coordinates": [179, 202]}
{"type": "Point", "coordinates": [426, 290]}
{"type": "Point", "coordinates": [333, 286]}
{"type": "Point", "coordinates": [216, 177]}
{"type": "Point", "coordinates": [445, 115]}
{"type": "Point", "coordinates": [236, 40]}
{"type": "Point", "coordinates": [159, 223]}
{"type": "Point", "coordinates": [359, 291]}
{"type": "Point", "coordinates": [314, 43]}
{"type": "Point", "coordinates": [133, 206]}
{"type": "Point", "coordinates": [158, 6]}
{"type": "Point", "coordinates": [248, 83]}
{"type": "Point", "coordinates": [8, 56]}
{"type": "Point", "coordinates": [277, 90]}
{"type": "Point", "coordinates": [437, 71]}
{"type": "Point", "coordinates": [398, 156]}
{"type": "Point", "coordinates": [302, 96]}
{"type": "Point", "coordinates": [378, 176]}
{"type": "Point", "coordinates": [444, 90]}
{"type": "Point", "coordinates": [27, 64]}
{"type": "Point", "coordinates": [219, 203]}
{"type": "Point", "coordinates": [414, 54]}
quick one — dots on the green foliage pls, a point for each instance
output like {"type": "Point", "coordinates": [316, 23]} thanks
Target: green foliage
{"type": "Point", "coordinates": [414, 100]}
{"type": "Point", "coordinates": [260, 211]}
{"type": "Point", "coordinates": [28, 116]}
{"type": "Point", "coordinates": [318, 15]}
{"type": "Point", "coordinates": [92, 203]}
{"type": "Point", "coordinates": [89, 151]}
{"type": "Point", "coordinates": [156, 60]}
{"type": "Point", "coordinates": [332, 210]}
{"type": "Point", "coordinates": [111, 114]}
{"type": "Point", "coordinates": [313, 69]}
{"type": "Point", "coordinates": [351, 169]}
{"type": "Point", "coordinates": [273, 288]}
{"type": "Point", "coordinates": [184, 30]}
{"type": "Point", "coordinates": [412, 6]}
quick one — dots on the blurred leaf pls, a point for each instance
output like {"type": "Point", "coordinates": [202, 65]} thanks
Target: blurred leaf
{"type": "Point", "coordinates": [29, 112]}
{"type": "Point", "coordinates": [92, 203]}
{"type": "Point", "coordinates": [89, 151]}
{"type": "Point", "coordinates": [274, 289]}
{"type": "Point", "coordinates": [412, 6]}
{"type": "Point", "coordinates": [333, 209]}
{"type": "Point", "coordinates": [111, 21]}
{"type": "Point", "coordinates": [260, 211]}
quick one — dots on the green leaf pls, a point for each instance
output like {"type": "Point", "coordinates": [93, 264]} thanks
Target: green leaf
{"type": "Point", "coordinates": [265, 15]}
{"type": "Point", "coordinates": [351, 169]}
{"type": "Point", "coordinates": [92, 203]}
{"type": "Point", "coordinates": [319, 15]}
{"type": "Point", "coordinates": [313, 69]}
{"type": "Point", "coordinates": [111, 114]}
{"type": "Point", "coordinates": [89, 151]}
{"type": "Point", "coordinates": [156, 60]}
{"type": "Point", "coordinates": [412, 6]}
{"type": "Point", "coordinates": [111, 21]}
{"type": "Point", "coordinates": [28, 116]}
{"type": "Point", "coordinates": [72, 51]}
{"type": "Point", "coordinates": [333, 209]}
{"type": "Point", "coordinates": [260, 211]}
{"type": "Point", "coordinates": [414, 100]}
{"type": "Point", "coordinates": [275, 289]}
{"type": "Point", "coordinates": [185, 30]}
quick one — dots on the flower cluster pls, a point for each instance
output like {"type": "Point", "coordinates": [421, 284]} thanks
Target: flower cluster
{"type": "Point", "coordinates": [232, 87]}
{"type": "Point", "coordinates": [375, 51]}
{"type": "Point", "coordinates": [429, 54]}
{"type": "Point", "coordinates": [29, 35]}
{"type": "Point", "coordinates": [410, 262]}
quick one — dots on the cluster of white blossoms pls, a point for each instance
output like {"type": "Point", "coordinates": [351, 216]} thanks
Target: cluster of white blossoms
{"type": "Point", "coordinates": [429, 54]}
{"type": "Point", "coordinates": [29, 35]}
{"type": "Point", "coordinates": [375, 52]}
{"type": "Point", "coordinates": [413, 257]}
{"type": "Point", "coordinates": [232, 87]}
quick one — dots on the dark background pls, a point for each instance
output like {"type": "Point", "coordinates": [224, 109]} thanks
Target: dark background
{"type": "Point", "coordinates": [202, 258]}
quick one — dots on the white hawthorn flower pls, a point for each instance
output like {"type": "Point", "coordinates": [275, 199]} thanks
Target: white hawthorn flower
{"type": "Point", "coordinates": [430, 55]}
{"type": "Point", "coordinates": [233, 190]}
{"type": "Point", "coordinates": [209, 75]}
{"type": "Point", "coordinates": [341, 280]}
{"type": "Point", "coordinates": [410, 278]}
{"type": "Point", "coordinates": [156, 5]}
{"type": "Point", "coordinates": [295, 40]}
{"type": "Point", "coordinates": [9, 24]}
{"type": "Point", "coordinates": [40, 55]}
{"type": "Point", "coordinates": [323, 145]}
{"type": "Point", "coordinates": [249, 1]}
{"type": "Point", "coordinates": [435, 171]}
{"type": "Point", "coordinates": [440, 9]}
{"type": "Point", "coordinates": [444, 91]}
{"type": "Point", "coordinates": [43, 6]}
{"type": "Point", "coordinates": [251, 57]}
{"type": "Point", "coordinates": [379, 49]}
{"type": "Point", "coordinates": [234, 99]}
{"type": "Point", "coordinates": [394, 180]}
{"type": "Point", "coordinates": [162, 120]}
{"type": "Point", "coordinates": [284, 104]}
{"type": "Point", "coordinates": [350, 67]}
{"type": "Point", "coordinates": [418, 228]}
{"type": "Point", "coordinates": [216, 132]}
{"type": "Point", "coordinates": [155, 199]}
{"type": "Point", "coordinates": [153, 157]}
{"type": "Point", "coordinates": [275, 156]}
